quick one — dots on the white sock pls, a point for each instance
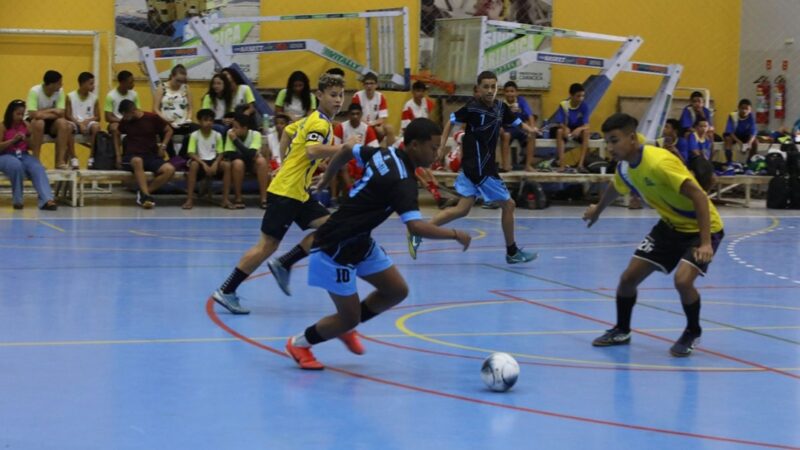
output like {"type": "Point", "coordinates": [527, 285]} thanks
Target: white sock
{"type": "Point", "coordinates": [300, 341]}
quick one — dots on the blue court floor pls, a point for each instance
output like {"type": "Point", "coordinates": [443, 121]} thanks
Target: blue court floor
{"type": "Point", "coordinates": [108, 340]}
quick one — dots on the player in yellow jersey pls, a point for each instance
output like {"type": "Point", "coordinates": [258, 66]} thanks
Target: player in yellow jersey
{"type": "Point", "coordinates": [686, 237]}
{"type": "Point", "coordinates": [309, 141]}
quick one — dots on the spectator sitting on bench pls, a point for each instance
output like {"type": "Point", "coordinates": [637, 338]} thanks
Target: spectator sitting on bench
{"type": "Point", "coordinates": [16, 162]}
{"type": "Point", "coordinates": [296, 100]}
{"type": "Point", "coordinates": [741, 129]}
{"type": "Point", "coordinates": [373, 103]}
{"type": "Point", "coordinates": [700, 149]}
{"type": "Point", "coordinates": [519, 106]}
{"type": "Point", "coordinates": [243, 150]}
{"type": "Point", "coordinates": [571, 121]}
{"type": "Point", "coordinates": [694, 110]}
{"type": "Point", "coordinates": [219, 99]}
{"type": "Point", "coordinates": [123, 91]}
{"type": "Point", "coordinates": [142, 151]}
{"type": "Point", "coordinates": [244, 101]}
{"type": "Point", "coordinates": [205, 158]}
{"type": "Point", "coordinates": [671, 140]}
{"type": "Point", "coordinates": [174, 104]}
{"type": "Point", "coordinates": [46, 114]}
{"type": "Point", "coordinates": [83, 112]}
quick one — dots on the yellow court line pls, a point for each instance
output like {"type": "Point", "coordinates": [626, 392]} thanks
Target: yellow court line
{"type": "Point", "coordinates": [50, 225]}
{"type": "Point", "coordinates": [400, 324]}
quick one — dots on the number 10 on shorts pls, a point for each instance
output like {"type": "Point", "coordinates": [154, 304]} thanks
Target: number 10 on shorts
{"type": "Point", "coordinates": [342, 275]}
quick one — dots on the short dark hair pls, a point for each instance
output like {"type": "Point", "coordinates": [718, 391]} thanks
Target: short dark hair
{"type": "Point", "coordinates": [354, 107]}
{"type": "Point", "coordinates": [243, 119]}
{"type": "Point", "coordinates": [574, 88]}
{"type": "Point", "coordinates": [84, 77]}
{"type": "Point", "coordinates": [126, 106]}
{"type": "Point", "coordinates": [696, 94]}
{"type": "Point", "coordinates": [676, 124]}
{"type": "Point", "coordinates": [51, 76]}
{"type": "Point", "coordinates": [745, 102]}
{"type": "Point", "coordinates": [620, 121]}
{"type": "Point", "coordinates": [699, 119]}
{"type": "Point", "coordinates": [369, 76]}
{"type": "Point", "coordinates": [421, 130]}
{"type": "Point", "coordinates": [419, 86]}
{"type": "Point", "coordinates": [510, 84]}
{"type": "Point", "coordinates": [124, 76]}
{"type": "Point", "coordinates": [206, 114]}
{"type": "Point", "coordinates": [335, 71]}
{"type": "Point", "coordinates": [229, 115]}
{"type": "Point", "coordinates": [486, 75]}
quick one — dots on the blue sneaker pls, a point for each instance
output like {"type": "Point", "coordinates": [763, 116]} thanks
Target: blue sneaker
{"type": "Point", "coordinates": [521, 257]}
{"type": "Point", "coordinates": [229, 302]}
{"type": "Point", "coordinates": [281, 275]}
{"type": "Point", "coordinates": [413, 244]}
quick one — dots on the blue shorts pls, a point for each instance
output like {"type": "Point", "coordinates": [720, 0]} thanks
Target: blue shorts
{"type": "Point", "coordinates": [340, 279]}
{"type": "Point", "coordinates": [491, 189]}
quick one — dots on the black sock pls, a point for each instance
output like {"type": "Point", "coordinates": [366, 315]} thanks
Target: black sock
{"type": "Point", "coordinates": [312, 335]}
{"type": "Point", "coordinates": [728, 155]}
{"type": "Point", "coordinates": [624, 312]}
{"type": "Point", "coordinates": [232, 283]}
{"type": "Point", "coordinates": [692, 311]}
{"type": "Point", "coordinates": [292, 256]}
{"type": "Point", "coordinates": [366, 313]}
{"type": "Point", "coordinates": [512, 249]}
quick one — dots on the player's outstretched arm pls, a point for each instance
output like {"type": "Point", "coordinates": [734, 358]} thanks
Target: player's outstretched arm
{"type": "Point", "coordinates": [593, 212]}
{"type": "Point", "coordinates": [429, 231]}
{"type": "Point", "coordinates": [339, 160]}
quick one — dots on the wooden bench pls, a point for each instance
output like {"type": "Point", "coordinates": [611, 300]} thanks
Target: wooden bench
{"type": "Point", "coordinates": [65, 184]}
{"type": "Point", "coordinates": [109, 177]}
{"type": "Point", "coordinates": [734, 181]}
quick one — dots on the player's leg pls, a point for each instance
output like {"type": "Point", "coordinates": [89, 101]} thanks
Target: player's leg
{"type": "Point", "coordinates": [495, 191]}
{"type": "Point", "coordinates": [62, 131]}
{"type": "Point", "coordinates": [311, 216]}
{"type": "Point", "coordinates": [560, 144]}
{"type": "Point", "coordinates": [530, 151]}
{"type": "Point", "coordinates": [37, 136]}
{"type": "Point", "coordinates": [728, 146]}
{"type": "Point", "coordinates": [505, 150]}
{"type": "Point", "coordinates": [636, 272]}
{"type": "Point", "coordinates": [584, 141]}
{"type": "Point", "coordinates": [226, 184]}
{"type": "Point", "coordinates": [261, 167]}
{"type": "Point", "coordinates": [237, 173]}
{"type": "Point", "coordinates": [191, 181]}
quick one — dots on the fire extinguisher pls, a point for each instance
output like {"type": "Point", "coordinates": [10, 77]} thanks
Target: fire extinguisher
{"type": "Point", "coordinates": [780, 97]}
{"type": "Point", "coordinates": [762, 99]}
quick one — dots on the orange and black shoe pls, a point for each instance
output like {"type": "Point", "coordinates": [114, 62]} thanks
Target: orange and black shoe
{"type": "Point", "coordinates": [303, 356]}
{"type": "Point", "coordinates": [353, 342]}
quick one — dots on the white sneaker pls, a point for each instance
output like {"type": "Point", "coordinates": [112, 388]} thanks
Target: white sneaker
{"type": "Point", "coordinates": [75, 163]}
{"type": "Point", "coordinates": [90, 163]}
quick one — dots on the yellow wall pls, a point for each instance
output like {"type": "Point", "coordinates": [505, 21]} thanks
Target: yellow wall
{"type": "Point", "coordinates": [344, 35]}
{"type": "Point", "coordinates": [702, 36]}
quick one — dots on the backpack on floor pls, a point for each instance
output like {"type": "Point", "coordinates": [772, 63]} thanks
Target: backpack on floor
{"type": "Point", "coordinates": [778, 192]}
{"type": "Point", "coordinates": [776, 164]}
{"type": "Point", "coordinates": [105, 158]}
{"type": "Point", "coordinates": [531, 196]}
{"type": "Point", "coordinates": [792, 158]}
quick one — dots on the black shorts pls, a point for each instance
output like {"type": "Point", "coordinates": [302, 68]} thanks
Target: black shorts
{"type": "Point", "coordinates": [201, 174]}
{"type": "Point", "coordinates": [48, 127]}
{"type": "Point", "coordinates": [554, 135]}
{"type": "Point", "coordinates": [665, 248]}
{"type": "Point", "coordinates": [151, 163]}
{"type": "Point", "coordinates": [248, 157]}
{"type": "Point", "coordinates": [282, 211]}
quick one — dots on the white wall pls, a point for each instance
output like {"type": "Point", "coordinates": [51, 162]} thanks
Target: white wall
{"type": "Point", "coordinates": [766, 25]}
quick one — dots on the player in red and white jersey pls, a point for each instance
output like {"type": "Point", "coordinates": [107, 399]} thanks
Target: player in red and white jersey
{"type": "Point", "coordinates": [374, 106]}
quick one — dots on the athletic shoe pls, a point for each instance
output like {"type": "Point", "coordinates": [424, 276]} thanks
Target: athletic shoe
{"type": "Point", "coordinates": [75, 163]}
{"type": "Point", "coordinates": [521, 257]}
{"type": "Point", "coordinates": [352, 341]}
{"type": "Point", "coordinates": [614, 336]}
{"type": "Point", "coordinates": [145, 201]}
{"type": "Point", "coordinates": [281, 274]}
{"type": "Point", "coordinates": [229, 302]}
{"type": "Point", "coordinates": [685, 344]}
{"type": "Point", "coordinates": [303, 356]}
{"type": "Point", "coordinates": [413, 244]}
{"type": "Point", "coordinates": [90, 163]}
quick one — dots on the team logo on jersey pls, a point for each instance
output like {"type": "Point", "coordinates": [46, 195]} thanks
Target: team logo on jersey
{"type": "Point", "coordinates": [314, 136]}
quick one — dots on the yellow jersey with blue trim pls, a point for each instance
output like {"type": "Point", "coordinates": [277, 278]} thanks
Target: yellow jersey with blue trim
{"type": "Point", "coordinates": [657, 178]}
{"type": "Point", "coordinates": [294, 177]}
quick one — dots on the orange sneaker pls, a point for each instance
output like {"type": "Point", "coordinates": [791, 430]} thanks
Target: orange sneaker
{"type": "Point", "coordinates": [303, 356]}
{"type": "Point", "coordinates": [352, 342]}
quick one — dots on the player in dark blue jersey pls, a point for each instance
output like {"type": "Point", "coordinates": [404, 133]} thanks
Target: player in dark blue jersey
{"type": "Point", "coordinates": [343, 248]}
{"type": "Point", "coordinates": [483, 117]}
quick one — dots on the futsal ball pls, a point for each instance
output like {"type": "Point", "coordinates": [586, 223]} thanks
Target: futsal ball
{"type": "Point", "coordinates": [500, 371]}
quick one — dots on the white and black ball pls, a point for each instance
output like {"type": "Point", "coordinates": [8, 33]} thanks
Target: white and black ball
{"type": "Point", "coordinates": [500, 372]}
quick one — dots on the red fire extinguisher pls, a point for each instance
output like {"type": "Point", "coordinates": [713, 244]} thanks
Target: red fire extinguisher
{"type": "Point", "coordinates": [780, 97]}
{"type": "Point", "coordinates": [762, 99]}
